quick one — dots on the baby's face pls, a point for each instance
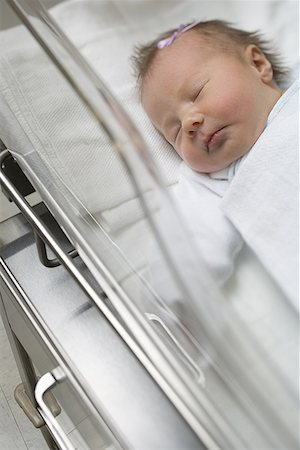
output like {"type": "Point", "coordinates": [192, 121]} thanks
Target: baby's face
{"type": "Point", "coordinates": [211, 105]}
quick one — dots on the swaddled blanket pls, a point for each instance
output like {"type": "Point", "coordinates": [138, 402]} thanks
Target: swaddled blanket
{"type": "Point", "coordinates": [263, 199]}
{"type": "Point", "coordinates": [258, 207]}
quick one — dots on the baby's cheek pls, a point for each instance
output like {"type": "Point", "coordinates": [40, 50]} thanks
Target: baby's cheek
{"type": "Point", "coordinates": [233, 107]}
{"type": "Point", "coordinates": [236, 98]}
{"type": "Point", "coordinates": [192, 159]}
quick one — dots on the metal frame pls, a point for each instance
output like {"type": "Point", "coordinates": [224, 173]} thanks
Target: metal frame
{"type": "Point", "coordinates": [26, 370]}
{"type": "Point", "coordinates": [177, 385]}
{"type": "Point", "coordinates": [43, 256]}
{"type": "Point", "coordinates": [36, 323]}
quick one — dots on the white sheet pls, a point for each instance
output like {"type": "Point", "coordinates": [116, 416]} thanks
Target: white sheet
{"type": "Point", "coordinates": [262, 201]}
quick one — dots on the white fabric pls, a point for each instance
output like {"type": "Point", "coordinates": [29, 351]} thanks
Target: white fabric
{"type": "Point", "coordinates": [261, 203]}
{"type": "Point", "coordinates": [199, 198]}
{"type": "Point", "coordinates": [39, 103]}
{"type": "Point", "coordinates": [263, 199]}
{"type": "Point", "coordinates": [228, 172]}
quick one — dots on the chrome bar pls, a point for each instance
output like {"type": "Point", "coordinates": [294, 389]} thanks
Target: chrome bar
{"type": "Point", "coordinates": [33, 317]}
{"type": "Point", "coordinates": [164, 368]}
{"type": "Point", "coordinates": [125, 138]}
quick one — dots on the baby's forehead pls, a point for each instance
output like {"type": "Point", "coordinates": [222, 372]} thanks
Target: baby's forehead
{"type": "Point", "coordinates": [193, 44]}
{"type": "Point", "coordinates": [204, 38]}
{"type": "Point", "coordinates": [198, 42]}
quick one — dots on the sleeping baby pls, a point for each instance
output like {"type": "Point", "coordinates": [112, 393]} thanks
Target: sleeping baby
{"type": "Point", "coordinates": [212, 91]}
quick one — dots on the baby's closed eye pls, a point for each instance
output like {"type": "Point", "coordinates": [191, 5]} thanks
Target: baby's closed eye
{"type": "Point", "coordinates": [196, 94]}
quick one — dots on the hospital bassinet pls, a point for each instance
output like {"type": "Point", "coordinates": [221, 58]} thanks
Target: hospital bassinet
{"type": "Point", "coordinates": [154, 360]}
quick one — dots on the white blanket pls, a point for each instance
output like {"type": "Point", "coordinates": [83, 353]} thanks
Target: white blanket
{"type": "Point", "coordinates": [259, 207]}
{"type": "Point", "coordinates": [263, 199]}
{"type": "Point", "coordinates": [199, 198]}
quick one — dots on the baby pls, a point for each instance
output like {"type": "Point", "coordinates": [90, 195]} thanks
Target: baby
{"type": "Point", "coordinates": [208, 89]}
{"type": "Point", "coordinates": [214, 93]}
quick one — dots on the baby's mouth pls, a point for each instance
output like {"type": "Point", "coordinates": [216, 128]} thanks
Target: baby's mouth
{"type": "Point", "coordinates": [214, 139]}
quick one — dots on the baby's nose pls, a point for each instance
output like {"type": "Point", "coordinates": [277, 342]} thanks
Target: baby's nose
{"type": "Point", "coordinates": [191, 123]}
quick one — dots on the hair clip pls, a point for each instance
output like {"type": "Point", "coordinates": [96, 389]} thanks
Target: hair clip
{"type": "Point", "coordinates": [181, 29]}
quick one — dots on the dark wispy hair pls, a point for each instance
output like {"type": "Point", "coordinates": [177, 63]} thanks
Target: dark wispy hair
{"type": "Point", "coordinates": [220, 31]}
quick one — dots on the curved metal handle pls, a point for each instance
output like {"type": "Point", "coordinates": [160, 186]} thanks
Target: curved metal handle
{"type": "Point", "coordinates": [45, 383]}
{"type": "Point", "coordinates": [200, 377]}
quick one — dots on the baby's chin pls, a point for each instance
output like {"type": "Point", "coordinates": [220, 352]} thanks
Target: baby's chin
{"type": "Point", "coordinates": [215, 166]}
{"type": "Point", "coordinates": [210, 169]}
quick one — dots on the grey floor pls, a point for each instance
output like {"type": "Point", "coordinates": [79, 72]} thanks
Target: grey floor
{"type": "Point", "coordinates": [16, 431]}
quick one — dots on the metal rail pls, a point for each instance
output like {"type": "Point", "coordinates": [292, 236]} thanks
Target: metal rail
{"type": "Point", "coordinates": [162, 365]}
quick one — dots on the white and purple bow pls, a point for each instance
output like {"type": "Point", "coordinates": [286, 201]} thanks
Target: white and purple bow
{"type": "Point", "coordinates": [181, 29]}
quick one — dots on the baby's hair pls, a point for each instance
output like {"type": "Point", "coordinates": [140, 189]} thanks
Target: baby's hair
{"type": "Point", "coordinates": [218, 30]}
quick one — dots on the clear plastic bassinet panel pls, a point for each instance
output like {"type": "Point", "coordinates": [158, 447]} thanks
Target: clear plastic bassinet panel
{"type": "Point", "coordinates": [111, 190]}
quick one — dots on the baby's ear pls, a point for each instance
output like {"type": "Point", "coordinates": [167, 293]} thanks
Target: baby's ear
{"type": "Point", "coordinates": [258, 60]}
